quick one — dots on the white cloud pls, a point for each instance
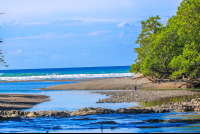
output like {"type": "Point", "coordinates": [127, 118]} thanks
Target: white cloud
{"type": "Point", "coordinates": [95, 33]}
{"type": "Point", "coordinates": [123, 24]}
{"type": "Point", "coordinates": [47, 36]}
{"type": "Point", "coordinates": [36, 23]}
{"type": "Point", "coordinates": [12, 22]}
{"type": "Point", "coordinates": [15, 52]}
{"type": "Point", "coordinates": [63, 22]}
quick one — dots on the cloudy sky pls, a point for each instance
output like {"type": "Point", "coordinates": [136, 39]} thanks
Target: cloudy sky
{"type": "Point", "coordinates": [75, 33]}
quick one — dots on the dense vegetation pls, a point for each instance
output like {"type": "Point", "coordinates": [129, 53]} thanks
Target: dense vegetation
{"type": "Point", "coordinates": [171, 50]}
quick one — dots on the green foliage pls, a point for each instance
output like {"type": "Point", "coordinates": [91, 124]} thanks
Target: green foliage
{"type": "Point", "coordinates": [149, 28]}
{"type": "Point", "coordinates": [173, 49]}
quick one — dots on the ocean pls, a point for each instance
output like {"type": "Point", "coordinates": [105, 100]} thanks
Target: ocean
{"type": "Point", "coordinates": [65, 73]}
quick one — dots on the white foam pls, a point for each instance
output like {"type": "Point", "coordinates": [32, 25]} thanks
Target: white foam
{"type": "Point", "coordinates": [68, 76]}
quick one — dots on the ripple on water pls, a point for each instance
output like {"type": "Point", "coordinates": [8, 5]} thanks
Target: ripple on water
{"type": "Point", "coordinates": [119, 123]}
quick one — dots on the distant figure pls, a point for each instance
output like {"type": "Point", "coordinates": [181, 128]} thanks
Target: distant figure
{"type": "Point", "coordinates": [135, 88]}
{"type": "Point", "coordinates": [101, 128]}
{"type": "Point", "coordinates": [42, 92]}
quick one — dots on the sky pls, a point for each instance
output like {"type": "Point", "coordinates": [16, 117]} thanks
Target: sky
{"type": "Point", "coordinates": [75, 33]}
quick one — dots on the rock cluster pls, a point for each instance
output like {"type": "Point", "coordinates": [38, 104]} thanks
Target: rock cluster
{"type": "Point", "coordinates": [91, 111]}
{"type": "Point", "coordinates": [13, 114]}
{"type": "Point", "coordinates": [135, 110]}
{"type": "Point", "coordinates": [16, 114]}
{"type": "Point", "coordinates": [140, 96]}
{"type": "Point", "coordinates": [188, 105]}
{"type": "Point", "coordinates": [130, 110]}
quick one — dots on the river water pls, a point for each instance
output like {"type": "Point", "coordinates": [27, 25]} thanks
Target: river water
{"type": "Point", "coordinates": [74, 100]}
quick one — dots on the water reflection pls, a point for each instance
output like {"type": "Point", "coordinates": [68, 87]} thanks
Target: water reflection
{"type": "Point", "coordinates": [166, 100]}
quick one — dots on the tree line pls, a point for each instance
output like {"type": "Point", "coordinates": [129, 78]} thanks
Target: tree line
{"type": "Point", "coordinates": [170, 50]}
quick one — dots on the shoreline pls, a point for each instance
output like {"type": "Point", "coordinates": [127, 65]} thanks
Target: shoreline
{"type": "Point", "coordinates": [120, 83]}
{"type": "Point", "coordinates": [26, 101]}
{"type": "Point", "coordinates": [21, 101]}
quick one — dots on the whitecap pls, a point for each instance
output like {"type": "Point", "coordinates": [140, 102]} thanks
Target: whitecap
{"type": "Point", "coordinates": [67, 76]}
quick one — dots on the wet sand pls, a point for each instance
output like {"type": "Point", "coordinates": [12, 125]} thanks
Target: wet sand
{"type": "Point", "coordinates": [124, 83]}
{"type": "Point", "coordinates": [20, 101]}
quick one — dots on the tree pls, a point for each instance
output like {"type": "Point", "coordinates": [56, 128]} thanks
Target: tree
{"type": "Point", "coordinates": [172, 50]}
{"type": "Point", "coordinates": [2, 62]}
{"type": "Point", "coordinates": [149, 29]}
{"type": "Point", "coordinates": [188, 25]}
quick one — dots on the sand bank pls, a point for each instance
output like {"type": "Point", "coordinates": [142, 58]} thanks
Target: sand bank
{"type": "Point", "coordinates": [20, 101]}
{"type": "Point", "coordinates": [124, 83]}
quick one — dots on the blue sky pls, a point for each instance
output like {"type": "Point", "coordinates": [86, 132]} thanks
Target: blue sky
{"type": "Point", "coordinates": [75, 33]}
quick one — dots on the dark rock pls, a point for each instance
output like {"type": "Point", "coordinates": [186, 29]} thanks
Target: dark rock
{"type": "Point", "coordinates": [137, 122]}
{"type": "Point", "coordinates": [105, 122]}
{"type": "Point", "coordinates": [57, 127]}
{"type": "Point", "coordinates": [83, 119]}
{"type": "Point", "coordinates": [147, 127]}
{"type": "Point", "coordinates": [155, 120]}
{"type": "Point", "coordinates": [162, 111]}
{"type": "Point", "coordinates": [92, 111]}
{"type": "Point", "coordinates": [190, 121]}
{"type": "Point", "coordinates": [135, 110]}
{"type": "Point", "coordinates": [112, 127]}
{"type": "Point", "coordinates": [9, 118]}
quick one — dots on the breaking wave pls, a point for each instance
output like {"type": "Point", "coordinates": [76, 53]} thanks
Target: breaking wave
{"type": "Point", "coordinates": [66, 76]}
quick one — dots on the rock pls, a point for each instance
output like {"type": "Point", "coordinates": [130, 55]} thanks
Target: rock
{"type": "Point", "coordinates": [10, 118]}
{"type": "Point", "coordinates": [64, 114]}
{"type": "Point", "coordinates": [112, 127]}
{"type": "Point", "coordinates": [14, 115]}
{"type": "Point", "coordinates": [84, 119]}
{"type": "Point", "coordinates": [57, 127]}
{"type": "Point", "coordinates": [105, 122]}
{"type": "Point", "coordinates": [155, 120]}
{"type": "Point", "coordinates": [191, 121]}
{"type": "Point", "coordinates": [162, 111]}
{"type": "Point", "coordinates": [92, 111]}
{"type": "Point", "coordinates": [147, 127]}
{"type": "Point", "coordinates": [32, 115]}
{"type": "Point", "coordinates": [135, 110]}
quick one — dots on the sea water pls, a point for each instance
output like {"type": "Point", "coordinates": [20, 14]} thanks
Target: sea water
{"type": "Point", "coordinates": [65, 73]}
{"type": "Point", "coordinates": [74, 100]}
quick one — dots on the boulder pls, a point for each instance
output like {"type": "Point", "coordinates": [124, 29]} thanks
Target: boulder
{"type": "Point", "coordinates": [92, 111]}
{"type": "Point", "coordinates": [32, 115]}
{"type": "Point", "coordinates": [162, 111]}
{"type": "Point", "coordinates": [135, 110]}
